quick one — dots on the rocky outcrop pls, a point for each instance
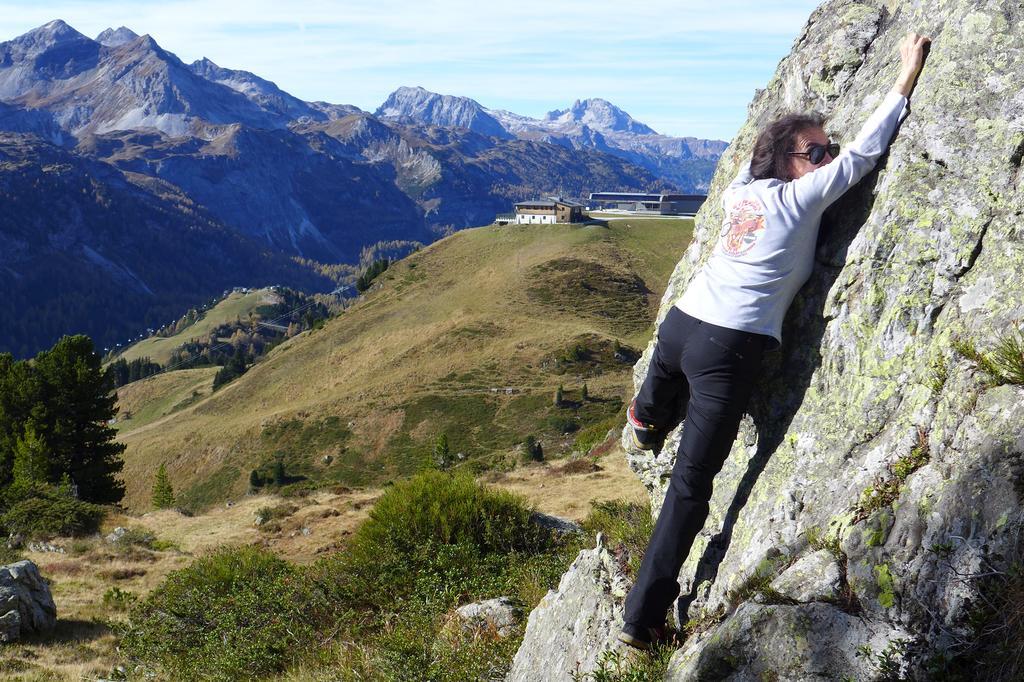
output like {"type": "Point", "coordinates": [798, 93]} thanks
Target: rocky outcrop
{"type": "Point", "coordinates": [26, 606]}
{"type": "Point", "coordinates": [498, 616]}
{"type": "Point", "coordinates": [575, 623]}
{"type": "Point", "coordinates": [874, 432]}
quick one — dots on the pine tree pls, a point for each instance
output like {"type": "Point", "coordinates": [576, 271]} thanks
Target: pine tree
{"type": "Point", "coordinates": [584, 394]}
{"type": "Point", "coordinates": [163, 493]}
{"type": "Point", "coordinates": [441, 452]}
{"type": "Point", "coordinates": [279, 475]}
{"type": "Point", "coordinates": [532, 450]}
{"type": "Point", "coordinates": [31, 464]}
{"type": "Point", "coordinates": [255, 480]}
{"type": "Point", "coordinates": [71, 401]}
{"type": "Point", "coordinates": [558, 396]}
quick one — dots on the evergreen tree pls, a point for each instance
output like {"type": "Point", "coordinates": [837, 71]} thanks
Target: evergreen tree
{"type": "Point", "coordinates": [72, 405]}
{"type": "Point", "coordinates": [31, 464]}
{"type": "Point", "coordinates": [163, 493]}
{"type": "Point", "coordinates": [584, 394]}
{"type": "Point", "coordinates": [279, 475]}
{"type": "Point", "coordinates": [441, 452]}
{"type": "Point", "coordinates": [558, 396]}
{"type": "Point", "coordinates": [532, 450]}
{"type": "Point", "coordinates": [255, 480]}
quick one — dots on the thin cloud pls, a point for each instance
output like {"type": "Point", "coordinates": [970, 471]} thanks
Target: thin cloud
{"type": "Point", "coordinates": [531, 56]}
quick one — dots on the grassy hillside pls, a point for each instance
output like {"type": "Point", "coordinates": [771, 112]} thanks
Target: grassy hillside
{"type": "Point", "coordinates": [235, 305]}
{"type": "Point", "coordinates": [143, 402]}
{"type": "Point", "coordinates": [468, 338]}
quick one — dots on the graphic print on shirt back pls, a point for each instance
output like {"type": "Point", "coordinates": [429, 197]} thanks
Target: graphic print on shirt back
{"type": "Point", "coordinates": [742, 226]}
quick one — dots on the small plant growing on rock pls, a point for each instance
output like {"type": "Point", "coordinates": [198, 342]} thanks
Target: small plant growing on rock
{"type": "Point", "coordinates": [1008, 358]}
{"type": "Point", "coordinates": [884, 491]}
{"type": "Point", "coordinates": [616, 666]}
{"type": "Point", "coordinates": [1004, 364]}
{"type": "Point", "coordinates": [939, 375]}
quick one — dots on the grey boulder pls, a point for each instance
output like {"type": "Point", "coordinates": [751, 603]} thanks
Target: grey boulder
{"type": "Point", "coordinates": [26, 606]}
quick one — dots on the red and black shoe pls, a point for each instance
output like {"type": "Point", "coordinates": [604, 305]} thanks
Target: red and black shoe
{"type": "Point", "coordinates": [645, 436]}
{"type": "Point", "coordinates": [643, 638]}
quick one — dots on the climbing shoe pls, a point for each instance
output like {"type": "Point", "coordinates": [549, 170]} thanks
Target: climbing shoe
{"type": "Point", "coordinates": [645, 436]}
{"type": "Point", "coordinates": [643, 638]}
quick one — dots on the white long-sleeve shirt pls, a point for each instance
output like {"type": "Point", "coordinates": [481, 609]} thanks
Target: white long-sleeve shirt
{"type": "Point", "coordinates": [765, 250]}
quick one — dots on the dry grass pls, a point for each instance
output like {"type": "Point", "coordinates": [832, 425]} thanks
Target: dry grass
{"type": "Point", "coordinates": [553, 491]}
{"type": "Point", "coordinates": [142, 403]}
{"type": "Point", "coordinates": [83, 646]}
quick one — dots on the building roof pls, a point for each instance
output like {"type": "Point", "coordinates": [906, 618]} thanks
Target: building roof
{"type": "Point", "coordinates": [550, 202]}
{"type": "Point", "coordinates": [641, 196]}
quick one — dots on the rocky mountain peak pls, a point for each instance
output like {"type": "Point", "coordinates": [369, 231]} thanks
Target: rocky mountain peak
{"type": "Point", "coordinates": [114, 37]}
{"type": "Point", "coordinates": [419, 105]}
{"type": "Point", "coordinates": [47, 36]}
{"type": "Point", "coordinates": [601, 115]}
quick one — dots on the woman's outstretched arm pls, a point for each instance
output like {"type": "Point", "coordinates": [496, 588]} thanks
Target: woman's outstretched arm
{"type": "Point", "coordinates": [816, 190]}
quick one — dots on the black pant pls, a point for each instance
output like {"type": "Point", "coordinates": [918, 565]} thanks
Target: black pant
{"type": "Point", "coordinates": [708, 371]}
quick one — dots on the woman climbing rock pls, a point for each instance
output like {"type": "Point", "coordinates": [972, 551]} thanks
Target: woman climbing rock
{"type": "Point", "coordinates": [709, 347]}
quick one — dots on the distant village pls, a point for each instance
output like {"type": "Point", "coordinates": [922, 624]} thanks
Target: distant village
{"type": "Point", "coordinates": [558, 210]}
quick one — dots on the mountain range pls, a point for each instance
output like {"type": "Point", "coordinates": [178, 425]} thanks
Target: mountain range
{"type": "Point", "coordinates": [687, 162]}
{"type": "Point", "coordinates": [114, 141]}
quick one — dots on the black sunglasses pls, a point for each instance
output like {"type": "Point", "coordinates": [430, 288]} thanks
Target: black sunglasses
{"type": "Point", "coordinates": [816, 152]}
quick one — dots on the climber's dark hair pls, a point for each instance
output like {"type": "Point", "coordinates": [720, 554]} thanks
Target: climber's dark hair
{"type": "Point", "coordinates": [771, 150]}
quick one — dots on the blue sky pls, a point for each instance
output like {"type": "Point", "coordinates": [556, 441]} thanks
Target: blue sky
{"type": "Point", "coordinates": [683, 67]}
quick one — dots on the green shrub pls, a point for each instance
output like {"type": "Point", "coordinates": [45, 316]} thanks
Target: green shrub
{"type": "Point", "coordinates": [241, 613]}
{"type": "Point", "coordinates": [281, 511]}
{"type": "Point", "coordinates": [626, 524]}
{"type": "Point", "coordinates": [431, 544]}
{"type": "Point", "coordinates": [9, 556]}
{"type": "Point", "coordinates": [448, 509]}
{"type": "Point", "coordinates": [562, 424]}
{"type": "Point", "coordinates": [434, 539]}
{"type": "Point", "coordinates": [48, 512]}
{"type": "Point", "coordinates": [116, 599]}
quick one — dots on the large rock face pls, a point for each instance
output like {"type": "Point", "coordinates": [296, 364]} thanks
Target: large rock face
{"type": "Point", "coordinates": [868, 393]}
{"type": "Point", "coordinates": [870, 434]}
